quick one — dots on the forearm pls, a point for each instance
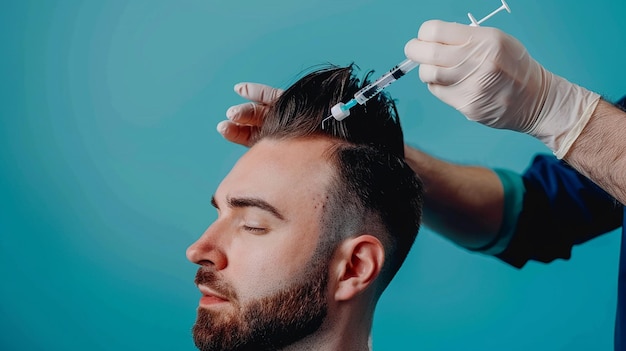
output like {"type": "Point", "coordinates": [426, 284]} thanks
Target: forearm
{"type": "Point", "coordinates": [463, 203]}
{"type": "Point", "coordinates": [599, 152]}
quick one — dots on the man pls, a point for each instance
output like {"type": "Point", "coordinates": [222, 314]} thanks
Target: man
{"type": "Point", "coordinates": [489, 77]}
{"type": "Point", "coordinates": [312, 226]}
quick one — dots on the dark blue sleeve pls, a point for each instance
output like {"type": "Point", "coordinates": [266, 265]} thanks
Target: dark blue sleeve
{"type": "Point", "coordinates": [561, 208]}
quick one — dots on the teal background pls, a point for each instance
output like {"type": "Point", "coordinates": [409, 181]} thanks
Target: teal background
{"type": "Point", "coordinates": [109, 157]}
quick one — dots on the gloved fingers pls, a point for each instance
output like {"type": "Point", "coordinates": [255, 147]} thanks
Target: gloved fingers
{"type": "Point", "coordinates": [250, 113]}
{"type": "Point", "coordinates": [430, 53]}
{"type": "Point", "coordinates": [237, 133]}
{"type": "Point", "coordinates": [448, 33]}
{"type": "Point", "coordinates": [256, 92]}
{"type": "Point", "coordinates": [444, 76]}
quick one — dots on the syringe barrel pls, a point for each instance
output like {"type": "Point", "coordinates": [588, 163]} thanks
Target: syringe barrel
{"type": "Point", "coordinates": [381, 83]}
{"type": "Point", "coordinates": [407, 65]}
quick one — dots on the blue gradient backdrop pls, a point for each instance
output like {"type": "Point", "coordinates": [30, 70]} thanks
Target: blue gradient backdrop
{"type": "Point", "coordinates": [109, 156]}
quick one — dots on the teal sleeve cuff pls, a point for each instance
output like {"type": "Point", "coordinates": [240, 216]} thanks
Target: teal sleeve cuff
{"type": "Point", "coordinates": [513, 202]}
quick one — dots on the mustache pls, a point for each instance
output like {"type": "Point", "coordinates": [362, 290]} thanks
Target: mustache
{"type": "Point", "coordinates": [208, 277]}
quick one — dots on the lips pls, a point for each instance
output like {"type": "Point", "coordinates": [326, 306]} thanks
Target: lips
{"type": "Point", "coordinates": [210, 297]}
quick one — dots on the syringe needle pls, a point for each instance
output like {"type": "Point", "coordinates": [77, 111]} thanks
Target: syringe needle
{"type": "Point", "coordinates": [326, 119]}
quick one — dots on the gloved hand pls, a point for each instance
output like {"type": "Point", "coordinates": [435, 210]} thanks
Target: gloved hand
{"type": "Point", "coordinates": [489, 77]}
{"type": "Point", "coordinates": [245, 119]}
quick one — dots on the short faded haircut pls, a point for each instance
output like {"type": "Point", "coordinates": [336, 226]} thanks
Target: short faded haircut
{"type": "Point", "coordinates": [374, 191]}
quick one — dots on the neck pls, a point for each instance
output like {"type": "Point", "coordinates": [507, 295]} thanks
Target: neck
{"type": "Point", "coordinates": [340, 332]}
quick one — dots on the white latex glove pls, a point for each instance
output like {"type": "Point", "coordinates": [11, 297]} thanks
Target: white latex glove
{"type": "Point", "coordinates": [489, 77]}
{"type": "Point", "coordinates": [245, 119]}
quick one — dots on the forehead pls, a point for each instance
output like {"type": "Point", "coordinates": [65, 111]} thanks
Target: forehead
{"type": "Point", "coordinates": [289, 174]}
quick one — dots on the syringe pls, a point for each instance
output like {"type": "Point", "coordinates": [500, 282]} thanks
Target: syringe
{"type": "Point", "coordinates": [341, 110]}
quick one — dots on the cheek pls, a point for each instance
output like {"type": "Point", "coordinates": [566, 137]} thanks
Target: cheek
{"type": "Point", "coordinates": [263, 267]}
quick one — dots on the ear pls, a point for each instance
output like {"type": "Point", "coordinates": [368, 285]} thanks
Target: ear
{"type": "Point", "coordinates": [359, 263]}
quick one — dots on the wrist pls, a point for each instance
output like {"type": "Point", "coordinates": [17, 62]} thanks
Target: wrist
{"type": "Point", "coordinates": [573, 134]}
{"type": "Point", "coordinates": [564, 113]}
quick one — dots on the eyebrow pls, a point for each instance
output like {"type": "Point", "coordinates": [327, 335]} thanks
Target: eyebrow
{"type": "Point", "coordinates": [241, 202]}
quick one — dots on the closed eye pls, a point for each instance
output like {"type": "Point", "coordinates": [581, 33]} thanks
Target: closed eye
{"type": "Point", "coordinates": [255, 230]}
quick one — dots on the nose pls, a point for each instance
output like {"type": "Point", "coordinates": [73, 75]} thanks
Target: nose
{"type": "Point", "coordinates": [207, 250]}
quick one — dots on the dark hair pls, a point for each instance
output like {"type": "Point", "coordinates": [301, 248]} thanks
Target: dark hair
{"type": "Point", "coordinates": [383, 193]}
{"type": "Point", "coordinates": [299, 111]}
{"type": "Point", "coordinates": [374, 190]}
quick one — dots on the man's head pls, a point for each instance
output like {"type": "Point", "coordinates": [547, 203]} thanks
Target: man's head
{"type": "Point", "coordinates": [312, 224]}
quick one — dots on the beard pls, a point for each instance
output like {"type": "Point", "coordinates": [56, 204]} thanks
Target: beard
{"type": "Point", "coordinates": [268, 323]}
